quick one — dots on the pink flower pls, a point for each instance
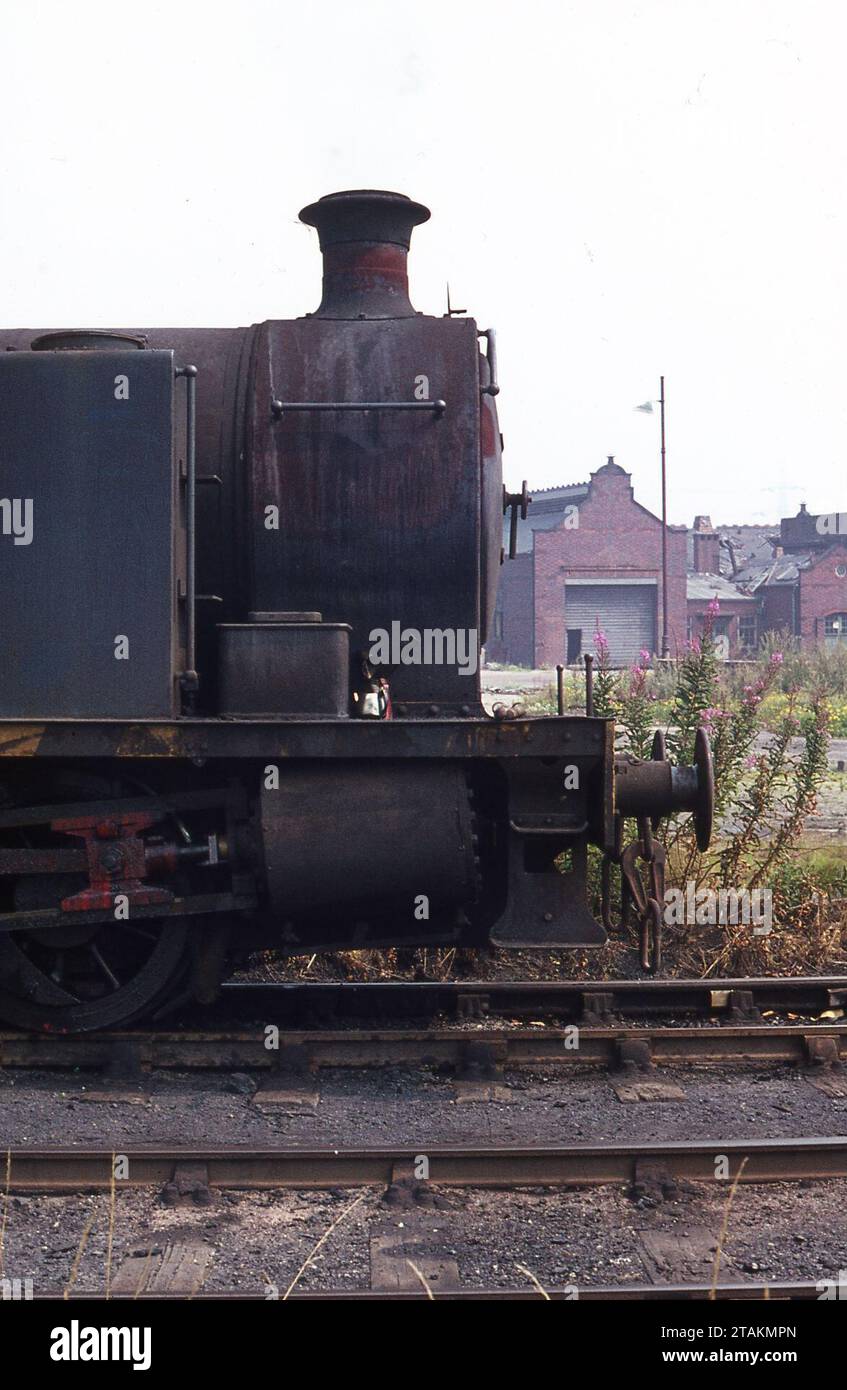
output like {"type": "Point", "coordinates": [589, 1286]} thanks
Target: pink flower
{"type": "Point", "coordinates": [777, 658]}
{"type": "Point", "coordinates": [713, 713]}
{"type": "Point", "coordinates": [714, 607]}
{"type": "Point", "coordinates": [637, 681]}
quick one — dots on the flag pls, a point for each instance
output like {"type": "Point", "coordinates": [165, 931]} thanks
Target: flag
{"type": "Point", "coordinates": [647, 407]}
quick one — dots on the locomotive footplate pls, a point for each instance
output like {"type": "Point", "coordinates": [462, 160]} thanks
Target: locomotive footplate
{"type": "Point", "coordinates": [488, 817]}
{"type": "Point", "coordinates": [306, 738]}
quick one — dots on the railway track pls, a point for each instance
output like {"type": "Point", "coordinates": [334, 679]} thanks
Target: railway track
{"type": "Point", "coordinates": [485, 1051]}
{"type": "Point", "coordinates": [401, 1235]}
{"type": "Point", "coordinates": [610, 1024]}
{"type": "Point", "coordinates": [568, 1000]}
{"type": "Point", "coordinates": [198, 1172]}
{"type": "Point", "coordinates": [560, 1024]}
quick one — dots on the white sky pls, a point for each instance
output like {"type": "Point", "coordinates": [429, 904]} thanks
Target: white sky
{"type": "Point", "coordinates": [622, 189]}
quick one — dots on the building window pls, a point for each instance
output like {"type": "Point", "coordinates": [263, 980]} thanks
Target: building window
{"type": "Point", "coordinates": [835, 628]}
{"type": "Point", "coordinates": [747, 631]}
{"type": "Point", "coordinates": [689, 628]}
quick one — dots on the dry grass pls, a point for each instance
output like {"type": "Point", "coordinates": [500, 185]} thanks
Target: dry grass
{"type": "Point", "coordinates": [724, 1228]}
{"type": "Point", "coordinates": [529, 1274]}
{"type": "Point", "coordinates": [419, 1274]}
{"type": "Point", "coordinates": [815, 942]}
{"type": "Point", "coordinates": [83, 1241]}
{"type": "Point", "coordinates": [324, 1238]}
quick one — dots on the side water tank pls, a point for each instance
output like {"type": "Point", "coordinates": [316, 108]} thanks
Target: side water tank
{"type": "Point", "coordinates": [92, 536]}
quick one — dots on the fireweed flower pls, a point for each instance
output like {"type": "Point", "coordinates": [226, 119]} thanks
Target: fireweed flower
{"type": "Point", "coordinates": [637, 680]}
{"type": "Point", "coordinates": [711, 715]}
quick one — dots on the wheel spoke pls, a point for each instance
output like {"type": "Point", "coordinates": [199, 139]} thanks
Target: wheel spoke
{"type": "Point", "coordinates": [137, 931]}
{"type": "Point", "coordinates": [110, 975]}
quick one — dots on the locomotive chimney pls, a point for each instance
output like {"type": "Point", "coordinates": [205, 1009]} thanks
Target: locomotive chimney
{"type": "Point", "coordinates": [364, 237]}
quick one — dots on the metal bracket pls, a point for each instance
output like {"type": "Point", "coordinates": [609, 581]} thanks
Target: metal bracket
{"type": "Point", "coordinates": [821, 1052]}
{"type": "Point", "coordinates": [472, 1005]}
{"type": "Point", "coordinates": [189, 1184]}
{"type": "Point", "coordinates": [653, 1180]}
{"type": "Point", "coordinates": [634, 1054]}
{"type": "Point", "coordinates": [598, 1008]}
{"type": "Point", "coordinates": [481, 1061]}
{"type": "Point", "coordinates": [742, 1006]}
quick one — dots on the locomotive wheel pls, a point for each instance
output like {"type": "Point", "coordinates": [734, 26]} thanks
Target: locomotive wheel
{"type": "Point", "coordinates": [79, 976]}
{"type": "Point", "coordinates": [71, 981]}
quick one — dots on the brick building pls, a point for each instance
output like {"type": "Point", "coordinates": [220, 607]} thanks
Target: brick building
{"type": "Point", "coordinates": [801, 587]}
{"type": "Point", "coordinates": [589, 558]}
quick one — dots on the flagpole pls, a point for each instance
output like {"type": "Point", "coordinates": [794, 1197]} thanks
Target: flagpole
{"type": "Point", "coordinates": [666, 651]}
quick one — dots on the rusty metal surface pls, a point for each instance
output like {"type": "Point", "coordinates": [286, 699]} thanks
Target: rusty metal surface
{"type": "Point", "coordinates": [354, 738]}
{"type": "Point", "coordinates": [303, 738]}
{"type": "Point", "coordinates": [404, 831]}
{"type": "Point", "coordinates": [249, 1169]}
{"type": "Point", "coordinates": [221, 1050]}
{"type": "Point", "coordinates": [364, 236]}
{"type": "Point", "coordinates": [379, 512]}
{"type": "Point", "coordinates": [272, 669]}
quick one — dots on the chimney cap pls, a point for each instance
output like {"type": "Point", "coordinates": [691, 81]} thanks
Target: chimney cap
{"type": "Point", "coordinates": [364, 214]}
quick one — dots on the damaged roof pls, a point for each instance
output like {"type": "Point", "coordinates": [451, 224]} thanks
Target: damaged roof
{"type": "Point", "coordinates": [709, 586]}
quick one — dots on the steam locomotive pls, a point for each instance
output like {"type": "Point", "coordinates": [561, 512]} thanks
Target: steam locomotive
{"type": "Point", "coordinates": [246, 577]}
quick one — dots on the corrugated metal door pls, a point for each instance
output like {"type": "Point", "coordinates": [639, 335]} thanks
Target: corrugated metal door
{"type": "Point", "coordinates": [626, 613]}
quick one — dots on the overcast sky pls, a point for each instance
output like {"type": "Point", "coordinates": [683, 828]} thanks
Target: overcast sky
{"type": "Point", "coordinates": [622, 189]}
